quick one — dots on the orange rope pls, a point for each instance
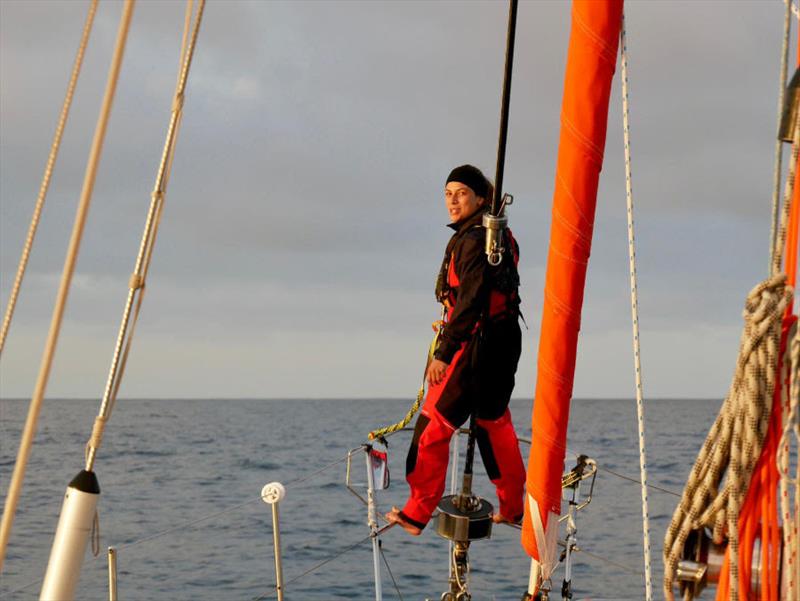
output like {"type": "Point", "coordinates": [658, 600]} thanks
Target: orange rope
{"type": "Point", "coordinates": [758, 517]}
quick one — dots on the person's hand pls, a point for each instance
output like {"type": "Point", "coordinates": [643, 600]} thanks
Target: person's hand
{"type": "Point", "coordinates": [436, 371]}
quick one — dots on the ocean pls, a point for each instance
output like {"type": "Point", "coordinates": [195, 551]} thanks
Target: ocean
{"type": "Point", "coordinates": [181, 482]}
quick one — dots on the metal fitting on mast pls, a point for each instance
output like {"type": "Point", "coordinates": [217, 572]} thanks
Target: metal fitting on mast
{"type": "Point", "coordinates": [791, 109]}
{"type": "Point", "coordinates": [495, 224]}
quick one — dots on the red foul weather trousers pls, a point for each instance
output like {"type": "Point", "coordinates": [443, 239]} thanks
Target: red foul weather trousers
{"type": "Point", "coordinates": [481, 375]}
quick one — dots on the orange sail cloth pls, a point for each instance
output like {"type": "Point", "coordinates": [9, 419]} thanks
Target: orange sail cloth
{"type": "Point", "coordinates": [591, 61]}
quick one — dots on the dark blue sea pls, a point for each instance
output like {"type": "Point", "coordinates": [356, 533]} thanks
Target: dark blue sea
{"type": "Point", "coordinates": [167, 464]}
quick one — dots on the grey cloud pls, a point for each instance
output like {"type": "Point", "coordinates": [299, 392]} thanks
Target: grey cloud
{"type": "Point", "coordinates": [315, 141]}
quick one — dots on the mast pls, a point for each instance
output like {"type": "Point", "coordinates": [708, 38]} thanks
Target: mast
{"type": "Point", "coordinates": [591, 61]}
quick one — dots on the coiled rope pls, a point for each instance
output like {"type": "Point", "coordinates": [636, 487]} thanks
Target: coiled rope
{"type": "Point", "coordinates": [15, 484]}
{"type": "Point", "coordinates": [48, 172]}
{"type": "Point", "coordinates": [735, 439]}
{"type": "Point", "coordinates": [635, 317]}
{"type": "Point", "coordinates": [734, 443]}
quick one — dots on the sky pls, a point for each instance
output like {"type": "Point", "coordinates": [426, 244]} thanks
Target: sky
{"type": "Point", "coordinates": [304, 220]}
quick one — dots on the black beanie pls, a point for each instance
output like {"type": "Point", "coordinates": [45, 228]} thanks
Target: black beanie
{"type": "Point", "coordinates": [470, 176]}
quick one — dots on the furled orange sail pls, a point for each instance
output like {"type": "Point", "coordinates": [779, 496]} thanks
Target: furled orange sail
{"type": "Point", "coordinates": [591, 61]}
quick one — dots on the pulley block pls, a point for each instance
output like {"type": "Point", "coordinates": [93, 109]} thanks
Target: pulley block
{"type": "Point", "coordinates": [702, 564]}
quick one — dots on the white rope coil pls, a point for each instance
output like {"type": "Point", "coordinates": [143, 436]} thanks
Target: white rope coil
{"type": "Point", "coordinates": [635, 319]}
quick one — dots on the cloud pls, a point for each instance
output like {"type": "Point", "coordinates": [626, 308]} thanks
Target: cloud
{"type": "Point", "coordinates": [305, 193]}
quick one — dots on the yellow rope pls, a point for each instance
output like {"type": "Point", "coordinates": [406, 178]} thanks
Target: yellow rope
{"type": "Point", "coordinates": [381, 432]}
{"type": "Point", "coordinates": [15, 485]}
{"type": "Point", "coordinates": [48, 172]}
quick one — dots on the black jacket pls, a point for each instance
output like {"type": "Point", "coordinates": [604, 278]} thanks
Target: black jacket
{"type": "Point", "coordinates": [476, 279]}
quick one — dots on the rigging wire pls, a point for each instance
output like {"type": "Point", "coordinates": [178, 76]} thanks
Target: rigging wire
{"type": "Point", "coordinates": [316, 567]}
{"type": "Point", "coordinates": [776, 174]}
{"type": "Point", "coordinates": [48, 172]}
{"type": "Point", "coordinates": [15, 484]}
{"type": "Point", "coordinates": [201, 519]}
{"type": "Point", "coordinates": [635, 315]}
{"type": "Point", "coordinates": [305, 478]}
{"type": "Point", "coordinates": [653, 486]}
{"type": "Point", "coordinates": [136, 287]}
{"type": "Point", "coordinates": [622, 567]}
{"type": "Point", "coordinates": [230, 509]}
{"type": "Point", "coordinates": [612, 472]}
{"type": "Point", "coordinates": [386, 563]}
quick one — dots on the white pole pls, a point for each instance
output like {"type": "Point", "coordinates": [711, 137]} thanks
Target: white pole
{"type": "Point", "coordinates": [112, 574]}
{"type": "Point", "coordinates": [72, 536]}
{"type": "Point", "coordinates": [453, 490]}
{"type": "Point", "coordinates": [372, 520]}
{"type": "Point", "coordinates": [272, 494]}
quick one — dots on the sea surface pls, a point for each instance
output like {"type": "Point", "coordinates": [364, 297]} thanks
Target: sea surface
{"type": "Point", "coordinates": [181, 482]}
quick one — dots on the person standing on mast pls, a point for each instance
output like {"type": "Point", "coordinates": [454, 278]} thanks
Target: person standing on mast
{"type": "Point", "coordinates": [474, 363]}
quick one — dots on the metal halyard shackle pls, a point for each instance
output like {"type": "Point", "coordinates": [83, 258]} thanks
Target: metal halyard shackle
{"type": "Point", "coordinates": [494, 220]}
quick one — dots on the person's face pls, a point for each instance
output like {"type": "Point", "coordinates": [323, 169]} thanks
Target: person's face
{"type": "Point", "coordinates": [460, 201]}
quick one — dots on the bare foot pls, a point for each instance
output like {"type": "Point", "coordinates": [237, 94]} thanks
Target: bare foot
{"type": "Point", "coordinates": [395, 517]}
{"type": "Point", "coordinates": [499, 518]}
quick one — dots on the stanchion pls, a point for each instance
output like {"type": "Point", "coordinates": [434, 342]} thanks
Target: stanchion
{"type": "Point", "coordinates": [112, 574]}
{"type": "Point", "coordinates": [272, 494]}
